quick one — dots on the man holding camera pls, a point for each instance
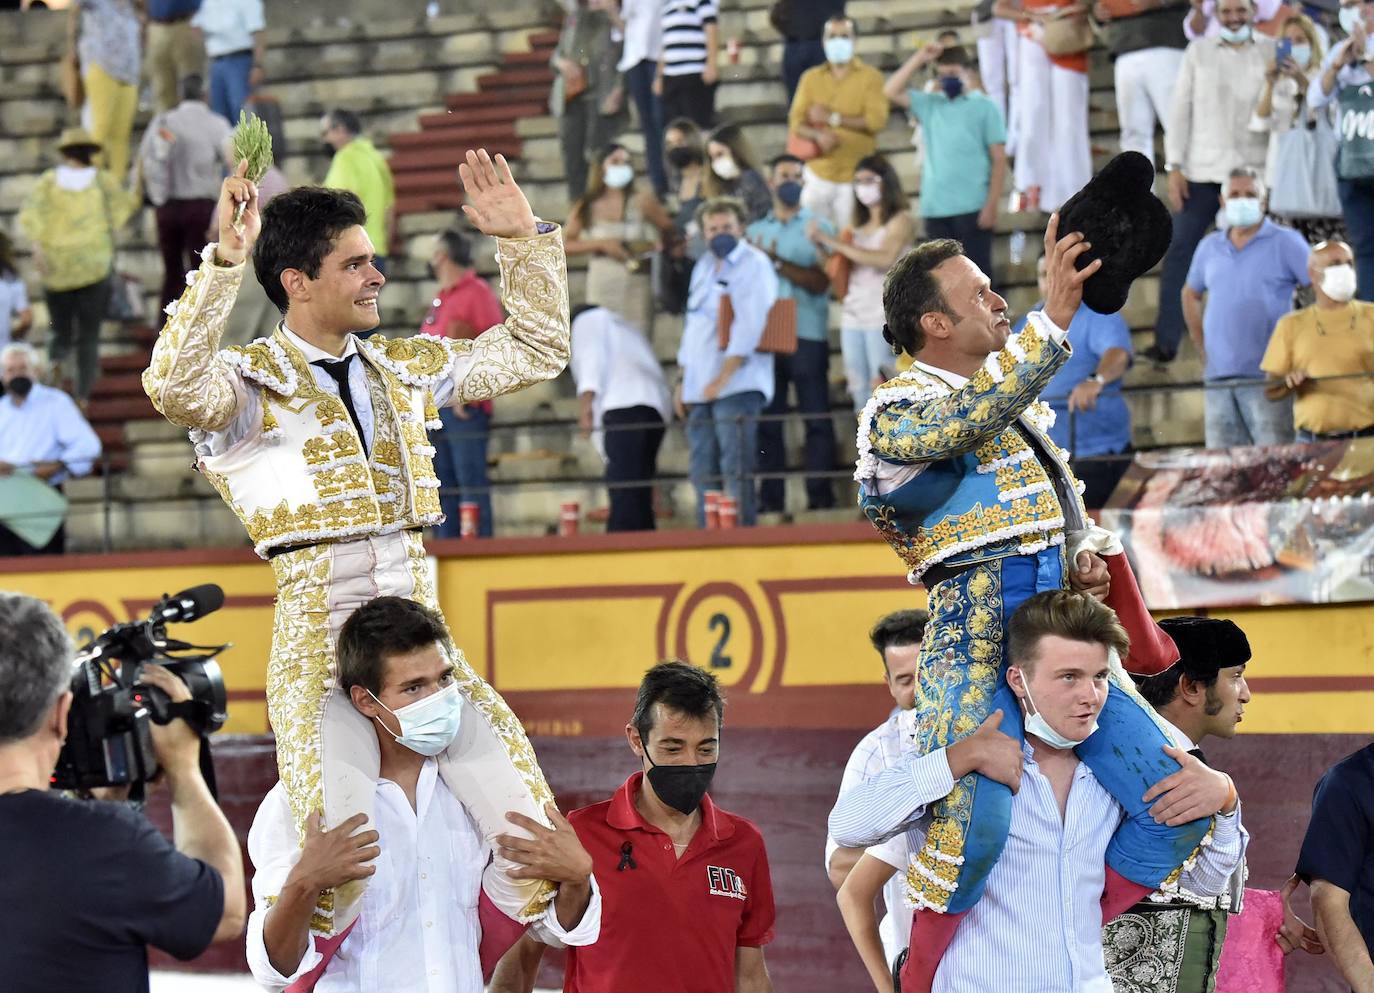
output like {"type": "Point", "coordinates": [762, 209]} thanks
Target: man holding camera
{"type": "Point", "coordinates": [89, 885]}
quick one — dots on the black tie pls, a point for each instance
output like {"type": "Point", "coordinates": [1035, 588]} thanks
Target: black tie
{"type": "Point", "coordinates": [1196, 753]}
{"type": "Point", "coordinates": [338, 371]}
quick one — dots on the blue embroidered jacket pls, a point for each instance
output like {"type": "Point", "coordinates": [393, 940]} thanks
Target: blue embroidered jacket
{"type": "Point", "coordinates": [951, 474]}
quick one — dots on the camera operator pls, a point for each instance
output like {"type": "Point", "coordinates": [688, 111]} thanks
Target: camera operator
{"type": "Point", "coordinates": [89, 885]}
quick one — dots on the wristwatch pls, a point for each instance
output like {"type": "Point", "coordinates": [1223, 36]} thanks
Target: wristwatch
{"type": "Point", "coordinates": [836, 119]}
{"type": "Point", "coordinates": [1097, 378]}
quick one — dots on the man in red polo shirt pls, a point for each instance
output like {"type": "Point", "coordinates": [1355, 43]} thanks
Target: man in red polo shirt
{"type": "Point", "coordinates": [687, 902]}
{"type": "Point", "coordinates": [464, 306]}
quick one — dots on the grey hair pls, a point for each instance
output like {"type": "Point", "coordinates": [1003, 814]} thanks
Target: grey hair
{"type": "Point", "coordinates": [1247, 172]}
{"type": "Point", "coordinates": [35, 664]}
{"type": "Point", "coordinates": [25, 349]}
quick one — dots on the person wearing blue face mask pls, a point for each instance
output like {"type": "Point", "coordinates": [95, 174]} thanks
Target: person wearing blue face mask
{"type": "Point", "coordinates": [427, 923]}
{"type": "Point", "coordinates": [965, 142]}
{"type": "Point", "coordinates": [721, 391]}
{"type": "Point", "coordinates": [1246, 274]}
{"type": "Point", "coordinates": [782, 237]}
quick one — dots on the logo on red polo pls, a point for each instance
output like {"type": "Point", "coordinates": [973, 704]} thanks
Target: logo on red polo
{"type": "Point", "coordinates": [725, 882]}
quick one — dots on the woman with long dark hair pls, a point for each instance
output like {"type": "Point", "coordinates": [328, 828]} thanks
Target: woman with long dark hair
{"type": "Point", "coordinates": [883, 229]}
{"type": "Point", "coordinates": [734, 172]}
{"type": "Point", "coordinates": [618, 224]}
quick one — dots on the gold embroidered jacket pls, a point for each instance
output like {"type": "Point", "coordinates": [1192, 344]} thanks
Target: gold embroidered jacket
{"type": "Point", "coordinates": [950, 474]}
{"type": "Point", "coordinates": [294, 468]}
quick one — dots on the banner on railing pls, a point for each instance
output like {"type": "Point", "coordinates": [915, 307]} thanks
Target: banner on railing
{"type": "Point", "coordinates": [1283, 524]}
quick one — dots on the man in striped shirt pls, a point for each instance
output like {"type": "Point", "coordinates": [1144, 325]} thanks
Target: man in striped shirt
{"type": "Point", "coordinates": [1049, 881]}
{"type": "Point", "coordinates": [687, 72]}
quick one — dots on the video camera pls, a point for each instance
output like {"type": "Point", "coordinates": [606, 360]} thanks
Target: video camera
{"type": "Point", "coordinates": [109, 737]}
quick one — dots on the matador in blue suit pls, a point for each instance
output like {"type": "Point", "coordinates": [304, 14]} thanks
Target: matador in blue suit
{"type": "Point", "coordinates": [958, 472]}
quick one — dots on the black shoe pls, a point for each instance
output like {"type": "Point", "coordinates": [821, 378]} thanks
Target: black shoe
{"type": "Point", "coordinates": [1156, 354]}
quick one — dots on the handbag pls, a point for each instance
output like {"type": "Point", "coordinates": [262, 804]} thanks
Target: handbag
{"type": "Point", "coordinates": [1356, 132]}
{"type": "Point", "coordinates": [838, 267]}
{"type": "Point", "coordinates": [803, 148]}
{"type": "Point", "coordinates": [779, 327]}
{"type": "Point", "coordinates": [1305, 171]}
{"type": "Point", "coordinates": [1067, 35]}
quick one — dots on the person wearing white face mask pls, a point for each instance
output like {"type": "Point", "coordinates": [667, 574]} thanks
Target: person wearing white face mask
{"type": "Point", "coordinates": [1343, 80]}
{"type": "Point", "coordinates": [616, 223]}
{"type": "Point", "coordinates": [425, 923]}
{"type": "Point", "coordinates": [734, 172]}
{"type": "Point", "coordinates": [1247, 273]}
{"type": "Point", "coordinates": [836, 115]}
{"type": "Point", "coordinates": [1070, 802]}
{"type": "Point", "coordinates": [1332, 338]}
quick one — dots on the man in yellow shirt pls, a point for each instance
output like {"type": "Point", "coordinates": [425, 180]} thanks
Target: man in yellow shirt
{"type": "Point", "coordinates": [359, 168]}
{"type": "Point", "coordinates": [1334, 337]}
{"type": "Point", "coordinates": [840, 106]}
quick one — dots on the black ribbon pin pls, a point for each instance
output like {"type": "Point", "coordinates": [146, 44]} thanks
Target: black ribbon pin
{"type": "Point", "coordinates": [626, 858]}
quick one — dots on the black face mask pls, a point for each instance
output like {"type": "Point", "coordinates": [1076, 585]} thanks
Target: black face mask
{"type": "Point", "coordinates": [326, 149]}
{"type": "Point", "coordinates": [680, 786]}
{"type": "Point", "coordinates": [682, 156]}
{"type": "Point", "coordinates": [19, 387]}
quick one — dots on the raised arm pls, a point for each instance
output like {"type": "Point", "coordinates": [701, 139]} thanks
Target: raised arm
{"type": "Point", "coordinates": [532, 344]}
{"type": "Point", "coordinates": [186, 380]}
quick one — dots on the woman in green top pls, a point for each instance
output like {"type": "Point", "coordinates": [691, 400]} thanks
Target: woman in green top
{"type": "Point", "coordinates": [71, 219]}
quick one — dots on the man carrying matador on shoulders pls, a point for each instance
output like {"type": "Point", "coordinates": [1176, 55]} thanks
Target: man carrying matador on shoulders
{"type": "Point", "coordinates": [958, 472]}
{"type": "Point", "coordinates": [317, 439]}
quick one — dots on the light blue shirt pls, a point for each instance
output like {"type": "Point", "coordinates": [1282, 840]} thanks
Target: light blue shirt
{"type": "Point", "coordinates": [958, 166]}
{"type": "Point", "coordinates": [1248, 290]}
{"type": "Point", "coordinates": [748, 276]}
{"type": "Point", "coordinates": [1048, 882]}
{"type": "Point", "coordinates": [1106, 429]}
{"type": "Point", "coordinates": [14, 300]}
{"type": "Point", "coordinates": [788, 241]}
{"type": "Point", "coordinates": [229, 25]}
{"type": "Point", "coordinates": [47, 427]}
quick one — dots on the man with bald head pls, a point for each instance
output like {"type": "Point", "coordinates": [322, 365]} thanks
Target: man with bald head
{"type": "Point", "coordinates": [1332, 338]}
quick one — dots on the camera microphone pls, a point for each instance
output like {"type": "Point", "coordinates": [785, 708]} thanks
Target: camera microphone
{"type": "Point", "coordinates": [189, 605]}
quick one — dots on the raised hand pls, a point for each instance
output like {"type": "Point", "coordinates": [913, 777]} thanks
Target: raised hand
{"type": "Point", "coordinates": [1063, 280]}
{"type": "Point", "coordinates": [236, 240]}
{"type": "Point", "coordinates": [498, 206]}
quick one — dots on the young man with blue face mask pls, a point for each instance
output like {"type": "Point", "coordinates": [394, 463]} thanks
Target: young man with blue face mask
{"type": "Point", "coordinates": [965, 142]}
{"type": "Point", "coordinates": [1247, 273]}
{"type": "Point", "coordinates": [782, 237]}
{"type": "Point", "coordinates": [425, 922]}
{"type": "Point", "coordinates": [722, 391]}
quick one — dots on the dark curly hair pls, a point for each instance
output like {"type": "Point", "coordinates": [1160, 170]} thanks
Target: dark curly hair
{"type": "Point", "coordinates": [299, 228]}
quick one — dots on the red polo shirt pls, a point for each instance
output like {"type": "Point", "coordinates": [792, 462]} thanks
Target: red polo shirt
{"type": "Point", "coordinates": [464, 310]}
{"type": "Point", "coordinates": [670, 925]}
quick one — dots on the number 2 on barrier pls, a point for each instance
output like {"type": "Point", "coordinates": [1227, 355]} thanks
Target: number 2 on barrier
{"type": "Point", "coordinates": [719, 660]}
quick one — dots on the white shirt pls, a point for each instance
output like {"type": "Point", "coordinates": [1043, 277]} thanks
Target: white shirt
{"type": "Point", "coordinates": [417, 929]}
{"type": "Point", "coordinates": [875, 751]}
{"type": "Point", "coordinates": [229, 25]}
{"type": "Point", "coordinates": [643, 32]}
{"type": "Point", "coordinates": [1218, 85]}
{"type": "Point", "coordinates": [895, 928]}
{"type": "Point", "coordinates": [1048, 882]}
{"type": "Point", "coordinates": [47, 427]}
{"type": "Point", "coordinates": [614, 360]}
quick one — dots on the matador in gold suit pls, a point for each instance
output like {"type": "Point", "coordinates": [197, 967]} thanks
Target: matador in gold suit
{"type": "Point", "coordinates": [323, 455]}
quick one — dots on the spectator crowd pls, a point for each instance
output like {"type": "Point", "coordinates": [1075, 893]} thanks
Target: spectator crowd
{"type": "Point", "coordinates": [1256, 108]}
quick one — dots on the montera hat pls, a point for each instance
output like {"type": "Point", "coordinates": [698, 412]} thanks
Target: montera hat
{"type": "Point", "coordinates": [1126, 224]}
{"type": "Point", "coordinates": [1206, 645]}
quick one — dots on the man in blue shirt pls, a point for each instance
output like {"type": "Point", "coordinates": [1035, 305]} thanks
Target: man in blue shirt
{"type": "Point", "coordinates": [1248, 271]}
{"type": "Point", "coordinates": [1091, 418]}
{"type": "Point", "coordinates": [782, 237]}
{"type": "Point", "coordinates": [965, 157]}
{"type": "Point", "coordinates": [721, 392]}
{"type": "Point", "coordinates": [42, 434]}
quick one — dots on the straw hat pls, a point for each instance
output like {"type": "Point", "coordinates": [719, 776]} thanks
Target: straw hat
{"type": "Point", "coordinates": [73, 138]}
